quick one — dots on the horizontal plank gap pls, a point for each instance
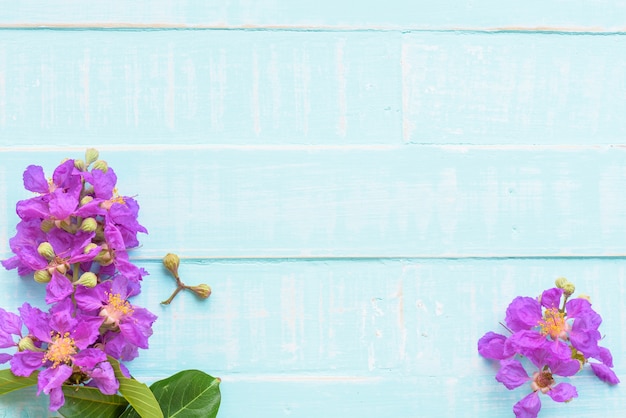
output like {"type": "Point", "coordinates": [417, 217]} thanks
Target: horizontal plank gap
{"type": "Point", "coordinates": [303, 28]}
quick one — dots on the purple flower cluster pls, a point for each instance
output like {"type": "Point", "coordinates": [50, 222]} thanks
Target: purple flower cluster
{"type": "Point", "coordinates": [74, 236]}
{"type": "Point", "coordinates": [559, 336]}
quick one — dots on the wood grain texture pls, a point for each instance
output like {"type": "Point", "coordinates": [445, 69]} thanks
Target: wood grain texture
{"type": "Point", "coordinates": [364, 186]}
{"type": "Point", "coordinates": [405, 201]}
{"type": "Point", "coordinates": [394, 14]}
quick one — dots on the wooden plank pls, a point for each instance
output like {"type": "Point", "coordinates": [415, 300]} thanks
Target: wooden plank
{"type": "Point", "coordinates": [300, 338]}
{"type": "Point", "coordinates": [151, 87]}
{"type": "Point", "coordinates": [513, 88]}
{"type": "Point", "coordinates": [404, 201]}
{"type": "Point", "coordinates": [245, 87]}
{"type": "Point", "coordinates": [394, 14]}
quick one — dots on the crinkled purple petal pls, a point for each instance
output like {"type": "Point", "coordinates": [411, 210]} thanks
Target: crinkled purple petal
{"type": "Point", "coordinates": [523, 313]}
{"type": "Point", "coordinates": [565, 368]}
{"type": "Point", "coordinates": [11, 263]}
{"type": "Point", "coordinates": [87, 331]}
{"type": "Point", "coordinates": [103, 183]}
{"type": "Point", "coordinates": [91, 299]}
{"type": "Point", "coordinates": [89, 357]}
{"type": "Point", "coordinates": [30, 257]}
{"type": "Point", "coordinates": [524, 342]}
{"type": "Point", "coordinates": [512, 374]}
{"type": "Point", "coordinates": [36, 321]}
{"type": "Point", "coordinates": [6, 340]}
{"type": "Point", "coordinates": [605, 356]}
{"type": "Point", "coordinates": [584, 337]}
{"type": "Point", "coordinates": [577, 307]}
{"type": "Point", "coordinates": [33, 208]}
{"type": "Point", "coordinates": [104, 378]}
{"type": "Point", "coordinates": [24, 363]}
{"type": "Point", "coordinates": [114, 238]}
{"type": "Point", "coordinates": [57, 399]}
{"type": "Point", "coordinates": [62, 316]}
{"type": "Point", "coordinates": [59, 288]}
{"type": "Point", "coordinates": [563, 392]}
{"type": "Point", "coordinates": [118, 347]}
{"type": "Point", "coordinates": [53, 377]}
{"type": "Point", "coordinates": [35, 179]}
{"type": "Point", "coordinates": [491, 345]}
{"type": "Point", "coordinates": [126, 268]}
{"type": "Point", "coordinates": [551, 298]}
{"type": "Point", "coordinates": [62, 204]}
{"type": "Point", "coordinates": [10, 322]}
{"type": "Point", "coordinates": [528, 407]}
{"type": "Point", "coordinates": [65, 175]}
{"type": "Point", "coordinates": [604, 373]}
{"type": "Point", "coordinates": [91, 209]}
{"type": "Point", "coordinates": [4, 357]}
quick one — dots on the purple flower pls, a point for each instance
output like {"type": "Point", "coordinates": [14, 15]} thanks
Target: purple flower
{"type": "Point", "coordinates": [512, 375]}
{"type": "Point", "coordinates": [491, 345]}
{"type": "Point", "coordinates": [66, 337]}
{"type": "Point", "coordinates": [129, 325]}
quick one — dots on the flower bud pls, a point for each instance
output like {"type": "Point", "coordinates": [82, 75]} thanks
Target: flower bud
{"type": "Point", "coordinates": [87, 279]}
{"type": "Point", "coordinates": [45, 250]}
{"type": "Point", "coordinates": [42, 276]}
{"type": "Point", "coordinates": [561, 282]}
{"type": "Point", "coordinates": [569, 289]}
{"type": "Point", "coordinates": [101, 165]}
{"type": "Point", "coordinates": [88, 225]}
{"type": "Point", "coordinates": [171, 262]}
{"type": "Point", "coordinates": [91, 155]}
{"type": "Point", "coordinates": [47, 225]}
{"type": "Point", "coordinates": [85, 200]}
{"type": "Point", "coordinates": [79, 164]}
{"type": "Point", "coordinates": [203, 290]}
{"type": "Point", "coordinates": [584, 296]}
{"type": "Point", "coordinates": [26, 344]}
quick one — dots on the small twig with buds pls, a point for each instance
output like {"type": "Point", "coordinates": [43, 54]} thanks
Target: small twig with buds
{"type": "Point", "coordinates": [171, 263]}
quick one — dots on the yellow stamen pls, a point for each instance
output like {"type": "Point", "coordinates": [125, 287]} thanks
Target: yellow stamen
{"type": "Point", "coordinates": [60, 350]}
{"type": "Point", "coordinates": [553, 323]}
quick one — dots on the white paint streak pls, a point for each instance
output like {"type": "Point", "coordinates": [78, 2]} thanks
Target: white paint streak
{"type": "Point", "coordinates": [341, 89]}
{"type": "Point", "coordinates": [254, 100]}
{"type": "Point", "coordinates": [170, 91]}
{"type": "Point", "coordinates": [84, 72]}
{"type": "Point", "coordinates": [407, 91]}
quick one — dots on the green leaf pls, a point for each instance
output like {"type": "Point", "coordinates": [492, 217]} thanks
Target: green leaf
{"type": "Point", "coordinates": [10, 382]}
{"type": "Point", "coordinates": [88, 402]}
{"type": "Point", "coordinates": [187, 394]}
{"type": "Point", "coordinates": [138, 395]}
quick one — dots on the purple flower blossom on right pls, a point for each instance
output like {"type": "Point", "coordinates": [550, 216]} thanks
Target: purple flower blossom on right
{"type": "Point", "coordinates": [557, 336]}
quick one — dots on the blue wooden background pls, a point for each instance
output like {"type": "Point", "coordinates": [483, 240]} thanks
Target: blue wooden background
{"type": "Point", "coordinates": [365, 185]}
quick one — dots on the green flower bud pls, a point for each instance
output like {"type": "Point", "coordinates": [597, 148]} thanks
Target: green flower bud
{"type": "Point", "coordinates": [42, 276]}
{"type": "Point", "coordinates": [561, 282]}
{"type": "Point", "coordinates": [569, 289]}
{"type": "Point", "coordinates": [85, 200]}
{"type": "Point", "coordinates": [79, 164]}
{"type": "Point", "coordinates": [171, 262]}
{"type": "Point", "coordinates": [27, 344]}
{"type": "Point", "coordinates": [101, 165]}
{"type": "Point", "coordinates": [203, 290]}
{"type": "Point", "coordinates": [584, 296]}
{"type": "Point", "coordinates": [45, 250]}
{"type": "Point", "coordinates": [89, 225]}
{"type": "Point", "coordinates": [87, 279]}
{"type": "Point", "coordinates": [47, 225]}
{"type": "Point", "coordinates": [91, 155]}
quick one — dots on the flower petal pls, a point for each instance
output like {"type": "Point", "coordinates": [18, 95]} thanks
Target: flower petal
{"type": "Point", "coordinates": [523, 313]}
{"type": "Point", "coordinates": [551, 298]}
{"type": "Point", "coordinates": [53, 377]}
{"type": "Point", "coordinates": [35, 179]}
{"type": "Point", "coordinates": [59, 288]}
{"type": "Point", "coordinates": [563, 392]}
{"type": "Point", "coordinates": [104, 378]}
{"type": "Point", "coordinates": [24, 363]}
{"type": "Point", "coordinates": [528, 407]}
{"type": "Point", "coordinates": [604, 373]}
{"type": "Point", "coordinates": [512, 374]}
{"type": "Point", "coordinates": [491, 345]}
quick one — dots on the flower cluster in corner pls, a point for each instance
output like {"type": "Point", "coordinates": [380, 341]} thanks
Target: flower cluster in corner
{"type": "Point", "coordinates": [559, 337]}
{"type": "Point", "coordinates": [74, 236]}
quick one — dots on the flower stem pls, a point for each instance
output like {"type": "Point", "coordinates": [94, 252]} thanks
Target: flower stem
{"type": "Point", "coordinates": [171, 298]}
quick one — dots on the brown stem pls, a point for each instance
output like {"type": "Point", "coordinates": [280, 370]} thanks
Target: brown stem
{"type": "Point", "coordinates": [171, 298]}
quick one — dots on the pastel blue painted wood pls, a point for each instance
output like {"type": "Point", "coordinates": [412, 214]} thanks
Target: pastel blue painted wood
{"type": "Point", "coordinates": [364, 186]}
{"type": "Point", "coordinates": [395, 14]}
